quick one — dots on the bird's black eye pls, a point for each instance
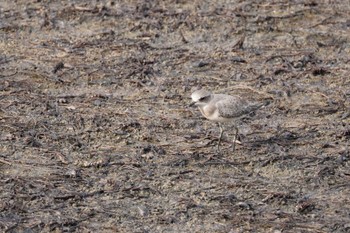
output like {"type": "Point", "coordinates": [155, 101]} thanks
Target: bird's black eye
{"type": "Point", "coordinates": [204, 98]}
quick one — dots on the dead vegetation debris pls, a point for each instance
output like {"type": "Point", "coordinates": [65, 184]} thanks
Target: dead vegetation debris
{"type": "Point", "coordinates": [96, 135]}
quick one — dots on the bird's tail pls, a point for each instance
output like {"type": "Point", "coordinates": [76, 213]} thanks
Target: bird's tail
{"type": "Point", "coordinates": [266, 102]}
{"type": "Point", "coordinates": [256, 106]}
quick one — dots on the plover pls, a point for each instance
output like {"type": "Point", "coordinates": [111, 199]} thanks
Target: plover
{"type": "Point", "coordinates": [223, 108]}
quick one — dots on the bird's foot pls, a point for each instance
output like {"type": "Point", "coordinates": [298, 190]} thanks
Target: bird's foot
{"type": "Point", "coordinates": [218, 151]}
{"type": "Point", "coordinates": [234, 142]}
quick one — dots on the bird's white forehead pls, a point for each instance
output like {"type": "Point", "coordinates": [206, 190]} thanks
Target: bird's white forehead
{"type": "Point", "coordinates": [197, 95]}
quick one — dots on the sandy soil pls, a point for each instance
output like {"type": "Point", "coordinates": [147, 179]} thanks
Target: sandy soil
{"type": "Point", "coordinates": [96, 134]}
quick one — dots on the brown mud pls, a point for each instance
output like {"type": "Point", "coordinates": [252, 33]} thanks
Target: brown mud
{"type": "Point", "coordinates": [96, 134]}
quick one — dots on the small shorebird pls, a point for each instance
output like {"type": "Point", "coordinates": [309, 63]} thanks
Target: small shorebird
{"type": "Point", "coordinates": [222, 108]}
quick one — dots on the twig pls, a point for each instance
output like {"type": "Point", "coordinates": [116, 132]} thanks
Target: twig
{"type": "Point", "coordinates": [5, 162]}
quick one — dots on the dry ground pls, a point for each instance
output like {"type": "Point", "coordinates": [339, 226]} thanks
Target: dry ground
{"type": "Point", "coordinates": [96, 135]}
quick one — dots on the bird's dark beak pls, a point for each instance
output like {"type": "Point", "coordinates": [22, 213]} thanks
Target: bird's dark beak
{"type": "Point", "coordinates": [192, 104]}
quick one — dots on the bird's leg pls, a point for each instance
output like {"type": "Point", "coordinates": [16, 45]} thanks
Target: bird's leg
{"type": "Point", "coordinates": [220, 137]}
{"type": "Point", "coordinates": [234, 140]}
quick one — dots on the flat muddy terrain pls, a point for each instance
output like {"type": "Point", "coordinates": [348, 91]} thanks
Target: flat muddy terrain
{"type": "Point", "coordinates": [96, 132]}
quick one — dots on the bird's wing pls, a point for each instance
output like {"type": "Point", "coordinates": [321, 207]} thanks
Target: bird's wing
{"type": "Point", "coordinates": [232, 107]}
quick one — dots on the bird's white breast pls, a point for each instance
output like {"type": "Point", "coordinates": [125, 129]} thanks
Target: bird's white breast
{"type": "Point", "coordinates": [212, 113]}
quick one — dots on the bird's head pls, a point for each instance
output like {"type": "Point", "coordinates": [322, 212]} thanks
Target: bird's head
{"type": "Point", "coordinates": [200, 98]}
